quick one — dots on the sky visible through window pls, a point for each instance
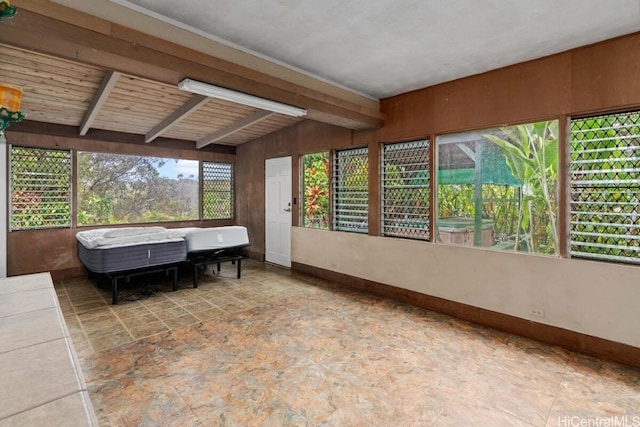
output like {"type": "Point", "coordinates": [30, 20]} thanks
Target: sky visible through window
{"type": "Point", "coordinates": [172, 168]}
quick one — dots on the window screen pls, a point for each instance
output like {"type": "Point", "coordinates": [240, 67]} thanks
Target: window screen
{"type": "Point", "coordinates": [405, 190]}
{"type": "Point", "coordinates": [40, 188]}
{"type": "Point", "coordinates": [351, 190]}
{"type": "Point", "coordinates": [217, 190]}
{"type": "Point", "coordinates": [605, 187]}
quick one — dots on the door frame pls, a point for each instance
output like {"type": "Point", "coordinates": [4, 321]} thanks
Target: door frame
{"type": "Point", "coordinates": [279, 212]}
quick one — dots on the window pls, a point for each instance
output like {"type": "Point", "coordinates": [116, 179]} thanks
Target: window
{"type": "Point", "coordinates": [122, 189]}
{"type": "Point", "coordinates": [315, 187]}
{"type": "Point", "coordinates": [605, 187]}
{"type": "Point", "coordinates": [351, 190]}
{"type": "Point", "coordinates": [217, 190]}
{"type": "Point", "coordinates": [405, 190]}
{"type": "Point", "coordinates": [40, 188]}
{"type": "Point", "coordinates": [497, 188]}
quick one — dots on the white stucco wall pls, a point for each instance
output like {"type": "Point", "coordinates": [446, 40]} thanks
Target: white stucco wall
{"type": "Point", "coordinates": [593, 298]}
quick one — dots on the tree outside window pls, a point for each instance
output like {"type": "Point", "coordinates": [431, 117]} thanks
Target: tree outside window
{"type": "Point", "coordinates": [122, 189]}
{"type": "Point", "coordinates": [315, 186]}
{"type": "Point", "coordinates": [497, 188]}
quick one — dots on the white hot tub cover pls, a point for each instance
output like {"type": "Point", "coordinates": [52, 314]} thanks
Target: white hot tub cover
{"type": "Point", "coordinates": [214, 238]}
{"type": "Point", "coordinates": [112, 237]}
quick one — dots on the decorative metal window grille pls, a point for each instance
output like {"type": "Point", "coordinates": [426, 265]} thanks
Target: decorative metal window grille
{"type": "Point", "coordinates": [40, 188]}
{"type": "Point", "coordinates": [605, 187]}
{"type": "Point", "coordinates": [351, 190]}
{"type": "Point", "coordinates": [406, 190]}
{"type": "Point", "coordinates": [217, 190]}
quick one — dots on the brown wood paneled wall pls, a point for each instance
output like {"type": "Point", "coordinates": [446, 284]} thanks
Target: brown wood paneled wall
{"type": "Point", "coordinates": [596, 78]}
{"type": "Point", "coordinates": [302, 138]}
{"type": "Point", "coordinates": [601, 77]}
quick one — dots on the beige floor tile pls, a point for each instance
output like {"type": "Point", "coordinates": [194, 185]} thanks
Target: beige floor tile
{"type": "Point", "coordinates": [169, 313]}
{"type": "Point", "coordinates": [280, 348]}
{"type": "Point", "coordinates": [105, 342]}
{"type": "Point", "coordinates": [181, 321]}
{"type": "Point", "coordinates": [209, 314]}
{"type": "Point", "coordinates": [147, 329]}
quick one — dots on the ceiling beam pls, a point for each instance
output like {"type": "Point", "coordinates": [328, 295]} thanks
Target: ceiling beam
{"type": "Point", "coordinates": [250, 120]}
{"type": "Point", "coordinates": [108, 83]}
{"type": "Point", "coordinates": [138, 54]}
{"type": "Point", "coordinates": [187, 108]}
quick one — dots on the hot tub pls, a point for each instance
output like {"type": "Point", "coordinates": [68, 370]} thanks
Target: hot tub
{"type": "Point", "coordinates": [460, 230]}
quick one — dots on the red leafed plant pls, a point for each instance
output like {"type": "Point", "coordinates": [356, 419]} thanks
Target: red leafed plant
{"type": "Point", "coordinates": [312, 196]}
{"type": "Point", "coordinates": [23, 199]}
{"type": "Point", "coordinates": [316, 190]}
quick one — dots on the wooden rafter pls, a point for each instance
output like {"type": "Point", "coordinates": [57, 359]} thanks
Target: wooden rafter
{"type": "Point", "coordinates": [252, 119]}
{"type": "Point", "coordinates": [108, 83]}
{"type": "Point", "coordinates": [109, 45]}
{"type": "Point", "coordinates": [187, 108]}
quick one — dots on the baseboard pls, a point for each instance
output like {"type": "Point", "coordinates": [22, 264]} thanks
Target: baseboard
{"type": "Point", "coordinates": [258, 256]}
{"type": "Point", "coordinates": [570, 340]}
{"type": "Point", "coordinates": [68, 273]}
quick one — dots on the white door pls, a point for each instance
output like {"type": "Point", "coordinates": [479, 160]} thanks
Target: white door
{"type": "Point", "coordinates": [278, 211]}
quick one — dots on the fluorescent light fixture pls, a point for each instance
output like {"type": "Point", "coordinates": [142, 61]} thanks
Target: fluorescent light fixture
{"type": "Point", "coordinates": [218, 92]}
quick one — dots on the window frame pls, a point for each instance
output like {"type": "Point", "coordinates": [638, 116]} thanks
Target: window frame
{"type": "Point", "coordinates": [70, 189]}
{"type": "Point", "coordinates": [231, 191]}
{"type": "Point", "coordinates": [416, 224]}
{"type": "Point", "coordinates": [552, 132]}
{"type": "Point", "coordinates": [141, 220]}
{"type": "Point", "coordinates": [587, 227]}
{"type": "Point", "coordinates": [339, 208]}
{"type": "Point", "coordinates": [303, 196]}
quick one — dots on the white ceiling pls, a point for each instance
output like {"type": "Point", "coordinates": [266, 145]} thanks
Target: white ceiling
{"type": "Point", "coordinates": [381, 48]}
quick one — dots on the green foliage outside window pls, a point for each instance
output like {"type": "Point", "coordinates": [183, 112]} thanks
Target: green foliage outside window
{"type": "Point", "coordinates": [531, 152]}
{"type": "Point", "coordinates": [121, 189]}
{"type": "Point", "coordinates": [217, 205]}
{"type": "Point", "coordinates": [315, 185]}
{"type": "Point", "coordinates": [351, 190]}
{"type": "Point", "coordinates": [40, 188]}
{"type": "Point", "coordinates": [405, 183]}
{"type": "Point", "coordinates": [500, 205]}
{"type": "Point", "coordinates": [217, 190]}
{"type": "Point", "coordinates": [518, 184]}
{"type": "Point", "coordinates": [605, 187]}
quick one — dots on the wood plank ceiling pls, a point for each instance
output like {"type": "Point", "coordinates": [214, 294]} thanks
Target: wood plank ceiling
{"type": "Point", "coordinates": [66, 92]}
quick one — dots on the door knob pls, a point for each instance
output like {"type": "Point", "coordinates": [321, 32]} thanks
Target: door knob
{"type": "Point", "coordinates": [287, 210]}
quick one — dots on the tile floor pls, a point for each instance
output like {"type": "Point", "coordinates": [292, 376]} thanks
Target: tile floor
{"type": "Point", "coordinates": [277, 348]}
